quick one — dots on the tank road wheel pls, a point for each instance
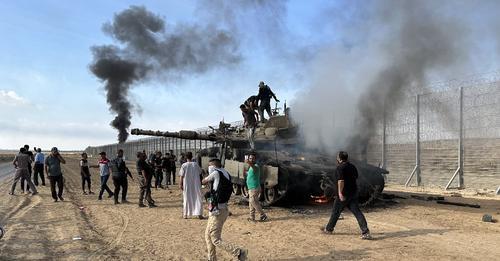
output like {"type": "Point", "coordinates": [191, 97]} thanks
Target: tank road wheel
{"type": "Point", "coordinates": [244, 191]}
{"type": "Point", "coordinates": [271, 195]}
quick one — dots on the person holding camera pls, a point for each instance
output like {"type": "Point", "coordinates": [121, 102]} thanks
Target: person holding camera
{"type": "Point", "coordinates": [54, 173]}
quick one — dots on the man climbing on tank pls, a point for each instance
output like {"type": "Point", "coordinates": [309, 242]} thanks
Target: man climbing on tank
{"type": "Point", "coordinates": [253, 104]}
{"type": "Point", "coordinates": [264, 96]}
{"type": "Point", "coordinates": [250, 123]}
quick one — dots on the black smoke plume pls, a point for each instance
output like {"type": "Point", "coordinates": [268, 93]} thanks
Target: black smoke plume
{"type": "Point", "coordinates": [148, 48]}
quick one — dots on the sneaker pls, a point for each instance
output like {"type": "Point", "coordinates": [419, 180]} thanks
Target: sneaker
{"type": "Point", "coordinates": [142, 205]}
{"type": "Point", "coordinates": [111, 195]}
{"type": "Point", "coordinates": [201, 217]}
{"type": "Point", "coordinates": [55, 200]}
{"type": "Point", "coordinates": [34, 193]}
{"type": "Point", "coordinates": [243, 255]}
{"type": "Point", "coordinates": [251, 219]}
{"type": "Point", "coordinates": [124, 201]}
{"type": "Point", "coordinates": [99, 198]}
{"type": "Point", "coordinates": [11, 193]}
{"type": "Point", "coordinates": [61, 198]}
{"type": "Point", "coordinates": [91, 193]}
{"type": "Point", "coordinates": [366, 236]}
{"type": "Point", "coordinates": [116, 202]}
{"type": "Point", "coordinates": [263, 218]}
{"type": "Point", "coordinates": [84, 193]}
{"type": "Point", "coordinates": [325, 231]}
{"type": "Point", "coordinates": [152, 206]}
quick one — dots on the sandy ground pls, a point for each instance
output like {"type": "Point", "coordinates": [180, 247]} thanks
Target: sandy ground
{"type": "Point", "coordinates": [37, 228]}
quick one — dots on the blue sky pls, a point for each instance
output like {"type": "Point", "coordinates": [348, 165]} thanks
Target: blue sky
{"type": "Point", "coordinates": [49, 98]}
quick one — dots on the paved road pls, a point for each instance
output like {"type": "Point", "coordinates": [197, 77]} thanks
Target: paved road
{"type": "Point", "coordinates": [6, 170]}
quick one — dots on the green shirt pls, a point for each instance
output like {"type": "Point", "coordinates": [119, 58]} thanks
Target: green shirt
{"type": "Point", "coordinates": [253, 177]}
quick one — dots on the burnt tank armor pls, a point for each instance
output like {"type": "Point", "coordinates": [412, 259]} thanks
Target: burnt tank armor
{"type": "Point", "coordinates": [289, 174]}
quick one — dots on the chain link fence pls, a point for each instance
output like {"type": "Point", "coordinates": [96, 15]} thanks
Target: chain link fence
{"type": "Point", "coordinates": [443, 134]}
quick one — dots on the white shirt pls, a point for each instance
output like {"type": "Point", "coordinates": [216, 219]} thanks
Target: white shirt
{"type": "Point", "coordinates": [215, 177]}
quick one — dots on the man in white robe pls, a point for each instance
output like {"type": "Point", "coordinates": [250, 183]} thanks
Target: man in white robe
{"type": "Point", "coordinates": [191, 188]}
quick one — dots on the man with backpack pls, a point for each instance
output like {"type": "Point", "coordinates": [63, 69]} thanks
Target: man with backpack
{"type": "Point", "coordinates": [220, 192]}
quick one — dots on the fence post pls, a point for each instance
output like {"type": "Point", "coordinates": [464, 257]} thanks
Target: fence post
{"type": "Point", "coordinates": [384, 144]}
{"type": "Point", "coordinates": [416, 170]}
{"type": "Point", "coordinates": [460, 169]}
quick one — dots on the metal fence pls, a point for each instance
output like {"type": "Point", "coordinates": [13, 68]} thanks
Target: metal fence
{"type": "Point", "coordinates": [446, 138]}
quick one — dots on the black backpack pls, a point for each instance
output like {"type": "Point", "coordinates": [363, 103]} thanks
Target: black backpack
{"type": "Point", "coordinates": [224, 190]}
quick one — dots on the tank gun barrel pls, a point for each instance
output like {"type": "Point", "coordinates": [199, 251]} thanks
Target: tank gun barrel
{"type": "Point", "coordinates": [183, 134]}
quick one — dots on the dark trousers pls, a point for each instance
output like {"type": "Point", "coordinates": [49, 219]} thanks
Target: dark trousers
{"type": "Point", "coordinates": [59, 181]}
{"type": "Point", "coordinates": [120, 182]}
{"type": "Point", "coordinates": [104, 186]}
{"type": "Point", "coordinates": [86, 179]}
{"type": "Point", "coordinates": [158, 177]}
{"type": "Point", "coordinates": [265, 105]}
{"type": "Point", "coordinates": [38, 171]}
{"type": "Point", "coordinates": [167, 177]}
{"type": "Point", "coordinates": [353, 205]}
{"type": "Point", "coordinates": [25, 179]}
{"type": "Point", "coordinates": [172, 174]}
{"type": "Point", "coordinates": [145, 190]}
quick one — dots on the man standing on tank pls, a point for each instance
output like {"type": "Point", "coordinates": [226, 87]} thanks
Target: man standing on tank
{"type": "Point", "coordinates": [264, 96]}
{"type": "Point", "coordinates": [346, 175]}
{"type": "Point", "coordinates": [250, 123]}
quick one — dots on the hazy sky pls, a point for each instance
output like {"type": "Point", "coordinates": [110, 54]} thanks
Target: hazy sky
{"type": "Point", "coordinates": [48, 97]}
{"type": "Point", "coordinates": [319, 55]}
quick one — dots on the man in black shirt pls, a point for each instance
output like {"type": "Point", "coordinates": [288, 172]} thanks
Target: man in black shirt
{"type": "Point", "coordinates": [346, 176]}
{"type": "Point", "coordinates": [145, 174]}
{"type": "Point", "coordinates": [264, 96]}
{"type": "Point", "coordinates": [119, 172]}
{"type": "Point", "coordinates": [157, 165]}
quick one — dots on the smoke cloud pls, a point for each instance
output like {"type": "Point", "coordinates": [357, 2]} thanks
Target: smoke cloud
{"type": "Point", "coordinates": [390, 49]}
{"type": "Point", "coordinates": [149, 48]}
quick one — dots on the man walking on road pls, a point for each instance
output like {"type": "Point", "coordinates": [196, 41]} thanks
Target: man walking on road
{"type": "Point", "coordinates": [54, 173]}
{"type": "Point", "coordinates": [105, 172]}
{"type": "Point", "coordinates": [346, 175]}
{"type": "Point", "coordinates": [22, 163]}
{"type": "Point", "coordinates": [120, 172]}
{"type": "Point", "coordinates": [38, 168]}
{"type": "Point", "coordinates": [220, 192]}
{"type": "Point", "coordinates": [145, 174]}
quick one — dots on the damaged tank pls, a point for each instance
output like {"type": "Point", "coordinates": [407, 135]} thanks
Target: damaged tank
{"type": "Point", "coordinates": [290, 174]}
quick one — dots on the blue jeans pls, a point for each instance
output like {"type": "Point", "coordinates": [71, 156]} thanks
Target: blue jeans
{"type": "Point", "coordinates": [353, 205]}
{"type": "Point", "coordinates": [104, 186]}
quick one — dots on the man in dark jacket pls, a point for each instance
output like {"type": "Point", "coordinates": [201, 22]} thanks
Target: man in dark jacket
{"type": "Point", "coordinates": [346, 175]}
{"type": "Point", "coordinates": [145, 174]}
{"type": "Point", "coordinates": [119, 172]}
{"type": "Point", "coordinates": [264, 96]}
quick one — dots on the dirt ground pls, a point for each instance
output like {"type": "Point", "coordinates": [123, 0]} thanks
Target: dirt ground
{"type": "Point", "coordinates": [38, 228]}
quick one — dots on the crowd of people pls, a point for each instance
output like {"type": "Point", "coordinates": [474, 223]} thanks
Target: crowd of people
{"type": "Point", "coordinates": [162, 168]}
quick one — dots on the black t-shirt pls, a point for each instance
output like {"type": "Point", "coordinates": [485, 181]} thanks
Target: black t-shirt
{"type": "Point", "coordinates": [348, 173]}
{"type": "Point", "coordinates": [265, 93]}
{"type": "Point", "coordinates": [143, 165]}
{"type": "Point", "coordinates": [249, 116]}
{"type": "Point", "coordinates": [252, 100]}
